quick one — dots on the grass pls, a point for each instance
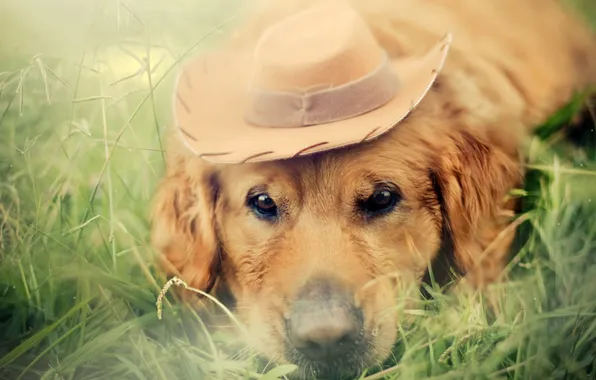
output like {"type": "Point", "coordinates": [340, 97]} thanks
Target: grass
{"type": "Point", "coordinates": [84, 101]}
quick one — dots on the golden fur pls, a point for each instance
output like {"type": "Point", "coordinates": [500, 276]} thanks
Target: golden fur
{"type": "Point", "coordinates": [454, 159]}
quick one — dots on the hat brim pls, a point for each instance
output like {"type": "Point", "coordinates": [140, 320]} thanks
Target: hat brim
{"type": "Point", "coordinates": [210, 101]}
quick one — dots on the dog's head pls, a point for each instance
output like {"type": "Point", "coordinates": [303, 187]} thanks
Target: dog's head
{"type": "Point", "coordinates": [316, 249]}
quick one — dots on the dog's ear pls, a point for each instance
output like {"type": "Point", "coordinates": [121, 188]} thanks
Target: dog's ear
{"type": "Point", "coordinates": [183, 227]}
{"type": "Point", "coordinates": [472, 178]}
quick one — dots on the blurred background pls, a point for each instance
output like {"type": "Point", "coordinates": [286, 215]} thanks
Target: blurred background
{"type": "Point", "coordinates": [85, 90]}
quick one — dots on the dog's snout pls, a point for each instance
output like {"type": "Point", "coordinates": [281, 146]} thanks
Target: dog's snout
{"type": "Point", "coordinates": [319, 337]}
{"type": "Point", "coordinates": [324, 321]}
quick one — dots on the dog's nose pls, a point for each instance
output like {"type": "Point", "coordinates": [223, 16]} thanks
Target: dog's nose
{"type": "Point", "coordinates": [324, 323]}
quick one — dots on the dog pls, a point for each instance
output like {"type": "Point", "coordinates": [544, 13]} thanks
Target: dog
{"type": "Point", "coordinates": [314, 247]}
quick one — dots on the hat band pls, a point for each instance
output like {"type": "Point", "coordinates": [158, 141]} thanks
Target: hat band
{"type": "Point", "coordinates": [291, 110]}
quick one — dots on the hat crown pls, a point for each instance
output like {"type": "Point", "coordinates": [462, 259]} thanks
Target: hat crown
{"type": "Point", "coordinates": [323, 47]}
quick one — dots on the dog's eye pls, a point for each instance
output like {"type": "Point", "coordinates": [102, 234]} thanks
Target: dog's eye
{"type": "Point", "coordinates": [263, 206]}
{"type": "Point", "coordinates": [382, 201]}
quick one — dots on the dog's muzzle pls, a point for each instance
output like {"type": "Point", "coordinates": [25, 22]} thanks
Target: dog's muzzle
{"type": "Point", "coordinates": [324, 326]}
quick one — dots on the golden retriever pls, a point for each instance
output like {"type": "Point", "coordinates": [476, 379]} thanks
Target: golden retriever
{"type": "Point", "coordinates": [431, 192]}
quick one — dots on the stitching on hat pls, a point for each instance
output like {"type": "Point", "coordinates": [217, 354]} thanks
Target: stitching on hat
{"type": "Point", "coordinates": [369, 134]}
{"type": "Point", "coordinates": [255, 156]}
{"type": "Point", "coordinates": [187, 134]}
{"type": "Point", "coordinates": [183, 102]}
{"type": "Point", "coordinates": [187, 80]}
{"type": "Point", "coordinates": [301, 151]}
{"type": "Point", "coordinates": [215, 154]}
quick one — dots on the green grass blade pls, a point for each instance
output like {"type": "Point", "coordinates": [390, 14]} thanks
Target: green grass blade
{"type": "Point", "coordinates": [34, 340]}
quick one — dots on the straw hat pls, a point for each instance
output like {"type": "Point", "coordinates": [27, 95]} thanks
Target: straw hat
{"type": "Point", "coordinates": [315, 81]}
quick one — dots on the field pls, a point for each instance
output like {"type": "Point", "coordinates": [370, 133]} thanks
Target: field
{"type": "Point", "coordinates": [84, 104]}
